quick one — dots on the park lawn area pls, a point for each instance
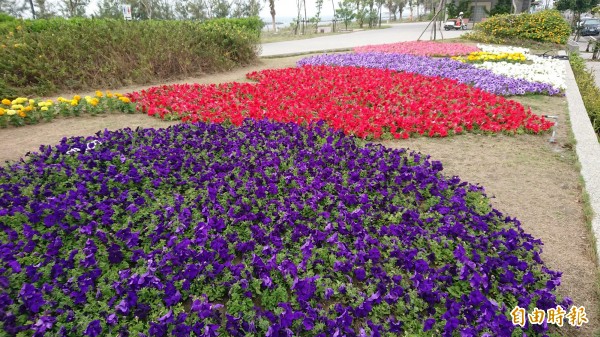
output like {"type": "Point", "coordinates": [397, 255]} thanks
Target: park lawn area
{"type": "Point", "coordinates": [527, 178]}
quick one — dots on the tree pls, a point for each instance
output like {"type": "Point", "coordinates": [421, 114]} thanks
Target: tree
{"type": "Point", "coordinates": [147, 7]}
{"type": "Point", "coordinates": [109, 9]}
{"type": "Point", "coordinates": [219, 8]}
{"type": "Point", "coordinates": [463, 6]}
{"type": "Point", "coordinates": [391, 7]}
{"type": "Point", "coordinates": [502, 7]}
{"type": "Point", "coordinates": [380, 4]}
{"type": "Point", "coordinates": [272, 12]}
{"type": "Point", "coordinates": [44, 10]}
{"type": "Point", "coordinates": [305, 16]}
{"type": "Point", "coordinates": [15, 8]}
{"type": "Point", "coordinates": [334, 17]}
{"type": "Point", "coordinates": [317, 18]}
{"type": "Point", "coordinates": [165, 10]}
{"type": "Point", "coordinates": [74, 8]}
{"type": "Point", "coordinates": [361, 13]}
{"type": "Point", "coordinates": [191, 9]}
{"type": "Point", "coordinates": [243, 8]}
{"type": "Point", "coordinates": [399, 4]}
{"type": "Point", "coordinates": [299, 12]}
{"type": "Point", "coordinates": [577, 6]}
{"type": "Point", "coordinates": [345, 12]}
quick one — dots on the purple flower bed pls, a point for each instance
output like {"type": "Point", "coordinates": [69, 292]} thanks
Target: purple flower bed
{"type": "Point", "coordinates": [443, 67]}
{"type": "Point", "coordinates": [263, 230]}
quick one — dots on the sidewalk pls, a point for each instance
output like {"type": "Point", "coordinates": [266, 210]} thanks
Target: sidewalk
{"type": "Point", "coordinates": [398, 32]}
{"type": "Point", "coordinates": [592, 65]}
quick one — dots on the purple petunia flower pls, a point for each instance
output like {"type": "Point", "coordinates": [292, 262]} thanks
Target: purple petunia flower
{"type": "Point", "coordinates": [93, 329]}
{"type": "Point", "coordinates": [440, 67]}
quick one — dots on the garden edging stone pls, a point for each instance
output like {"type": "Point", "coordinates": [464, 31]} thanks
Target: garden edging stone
{"type": "Point", "coordinates": [587, 148]}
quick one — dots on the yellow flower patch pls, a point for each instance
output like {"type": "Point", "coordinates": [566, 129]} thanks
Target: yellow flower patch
{"type": "Point", "coordinates": [481, 56]}
{"type": "Point", "coordinates": [22, 110]}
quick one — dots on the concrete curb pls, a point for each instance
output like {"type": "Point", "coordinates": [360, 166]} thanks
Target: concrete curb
{"type": "Point", "coordinates": [587, 149]}
{"type": "Point", "coordinates": [334, 50]}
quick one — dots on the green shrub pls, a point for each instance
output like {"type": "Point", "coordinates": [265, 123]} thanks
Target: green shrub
{"type": "Point", "coordinates": [5, 17]}
{"type": "Point", "coordinates": [590, 93]}
{"type": "Point", "coordinates": [41, 57]}
{"type": "Point", "coordinates": [544, 26]}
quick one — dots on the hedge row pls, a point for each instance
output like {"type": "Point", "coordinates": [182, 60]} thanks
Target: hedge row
{"type": "Point", "coordinates": [41, 57]}
{"type": "Point", "coordinates": [590, 93]}
{"type": "Point", "coordinates": [545, 26]}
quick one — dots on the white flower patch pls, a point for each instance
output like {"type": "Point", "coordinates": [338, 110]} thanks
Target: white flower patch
{"type": "Point", "coordinates": [502, 49]}
{"type": "Point", "coordinates": [543, 70]}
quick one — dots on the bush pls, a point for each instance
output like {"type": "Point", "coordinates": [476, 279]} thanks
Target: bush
{"type": "Point", "coordinates": [6, 18]}
{"type": "Point", "coordinates": [544, 26]}
{"type": "Point", "coordinates": [41, 57]}
{"type": "Point", "coordinates": [590, 93]}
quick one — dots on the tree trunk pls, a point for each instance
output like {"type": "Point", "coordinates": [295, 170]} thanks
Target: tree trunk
{"type": "Point", "coordinates": [333, 18]}
{"type": "Point", "coordinates": [272, 10]}
{"type": "Point", "coordinates": [305, 18]}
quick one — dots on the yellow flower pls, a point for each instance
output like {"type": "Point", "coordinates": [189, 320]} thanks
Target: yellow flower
{"type": "Point", "coordinates": [31, 102]}
{"type": "Point", "coordinates": [99, 93]}
{"type": "Point", "coordinates": [6, 101]}
{"type": "Point", "coordinates": [61, 99]}
{"type": "Point", "coordinates": [49, 102]}
{"type": "Point", "coordinates": [28, 108]}
{"type": "Point", "coordinates": [22, 114]}
{"type": "Point", "coordinates": [16, 106]}
{"type": "Point", "coordinates": [11, 112]}
{"type": "Point", "coordinates": [44, 108]}
{"type": "Point", "coordinates": [74, 102]}
{"type": "Point", "coordinates": [109, 94]}
{"type": "Point", "coordinates": [77, 97]}
{"type": "Point", "coordinates": [1, 111]}
{"type": "Point", "coordinates": [94, 101]}
{"type": "Point", "coordinates": [124, 99]}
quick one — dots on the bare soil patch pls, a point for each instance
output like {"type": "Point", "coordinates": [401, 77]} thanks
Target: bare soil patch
{"type": "Point", "coordinates": [527, 177]}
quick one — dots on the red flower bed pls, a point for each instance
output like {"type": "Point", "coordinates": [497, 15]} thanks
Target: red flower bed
{"type": "Point", "coordinates": [368, 103]}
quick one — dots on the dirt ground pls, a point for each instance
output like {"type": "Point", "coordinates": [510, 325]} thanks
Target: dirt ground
{"type": "Point", "coordinates": [527, 177]}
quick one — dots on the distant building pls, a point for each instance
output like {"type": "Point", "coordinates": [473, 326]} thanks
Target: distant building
{"type": "Point", "coordinates": [480, 7]}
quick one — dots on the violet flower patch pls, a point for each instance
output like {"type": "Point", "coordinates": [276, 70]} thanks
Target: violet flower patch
{"type": "Point", "coordinates": [266, 229]}
{"type": "Point", "coordinates": [440, 67]}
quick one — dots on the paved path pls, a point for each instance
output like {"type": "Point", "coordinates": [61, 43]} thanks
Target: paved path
{"type": "Point", "coordinates": [593, 66]}
{"type": "Point", "coordinates": [397, 33]}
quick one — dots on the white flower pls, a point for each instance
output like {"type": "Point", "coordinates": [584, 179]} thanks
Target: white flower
{"type": "Point", "coordinates": [538, 69]}
{"type": "Point", "coordinates": [73, 150]}
{"type": "Point", "coordinates": [502, 49]}
{"type": "Point", "coordinates": [92, 145]}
